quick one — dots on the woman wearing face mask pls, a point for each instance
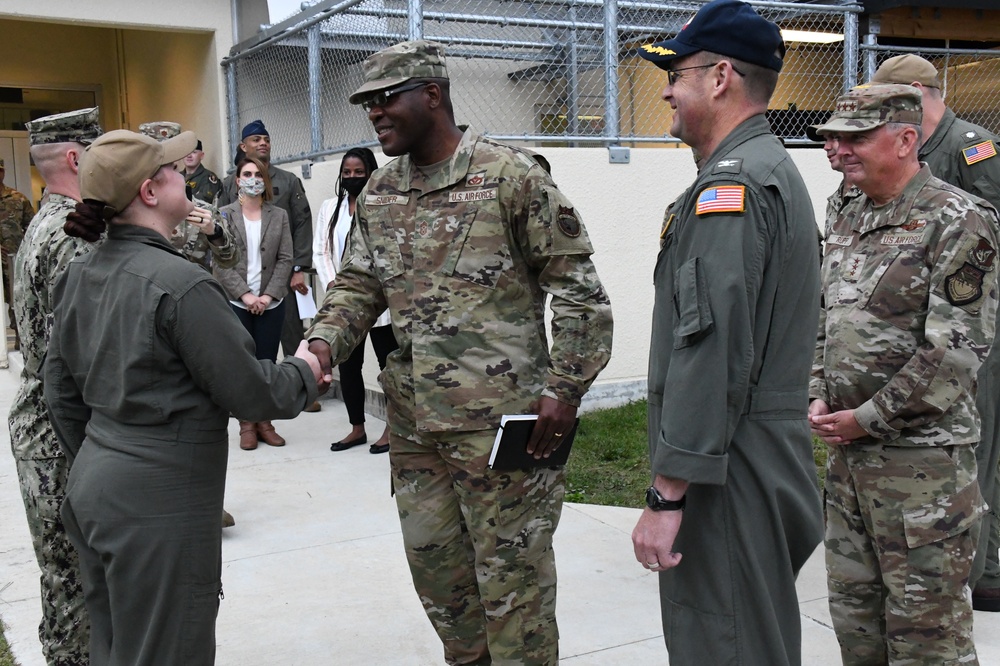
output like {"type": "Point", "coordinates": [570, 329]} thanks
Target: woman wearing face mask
{"type": "Point", "coordinates": [257, 285]}
{"type": "Point", "coordinates": [333, 223]}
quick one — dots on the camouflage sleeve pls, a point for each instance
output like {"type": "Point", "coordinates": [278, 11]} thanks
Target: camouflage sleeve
{"type": "Point", "coordinates": [355, 300]}
{"type": "Point", "coordinates": [225, 253]}
{"type": "Point", "coordinates": [555, 243]}
{"type": "Point", "coordinates": [300, 218]}
{"type": "Point", "coordinates": [68, 413]}
{"type": "Point", "coordinates": [11, 234]}
{"type": "Point", "coordinates": [817, 380]}
{"type": "Point", "coordinates": [958, 329]}
{"type": "Point", "coordinates": [27, 214]}
{"type": "Point", "coordinates": [62, 249]}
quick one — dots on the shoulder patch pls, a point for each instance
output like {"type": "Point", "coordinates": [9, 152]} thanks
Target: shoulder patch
{"type": "Point", "coordinates": [212, 179]}
{"type": "Point", "coordinates": [568, 222]}
{"type": "Point", "coordinates": [979, 152]}
{"type": "Point", "coordinates": [721, 199]}
{"type": "Point", "coordinates": [728, 166]}
{"type": "Point", "coordinates": [965, 285]}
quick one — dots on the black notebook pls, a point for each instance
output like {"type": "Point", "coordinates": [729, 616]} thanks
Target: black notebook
{"type": "Point", "coordinates": [510, 446]}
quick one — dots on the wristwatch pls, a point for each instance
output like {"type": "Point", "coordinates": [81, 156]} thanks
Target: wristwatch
{"type": "Point", "coordinates": [656, 502]}
{"type": "Point", "coordinates": [296, 269]}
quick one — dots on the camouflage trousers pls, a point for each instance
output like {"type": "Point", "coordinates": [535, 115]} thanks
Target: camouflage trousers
{"type": "Point", "coordinates": [65, 628]}
{"type": "Point", "coordinates": [902, 525]}
{"type": "Point", "coordinates": [479, 547]}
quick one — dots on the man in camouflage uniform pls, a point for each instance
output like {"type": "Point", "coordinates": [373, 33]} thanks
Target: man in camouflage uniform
{"type": "Point", "coordinates": [734, 510]}
{"type": "Point", "coordinates": [204, 237]}
{"type": "Point", "coordinates": [462, 239]}
{"type": "Point", "coordinates": [909, 277]}
{"type": "Point", "coordinates": [965, 155]}
{"type": "Point", "coordinates": [56, 145]}
{"type": "Point", "coordinates": [287, 193]}
{"type": "Point", "coordinates": [15, 214]}
{"type": "Point", "coordinates": [204, 183]}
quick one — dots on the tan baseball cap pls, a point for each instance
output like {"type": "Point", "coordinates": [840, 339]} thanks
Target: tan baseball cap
{"type": "Point", "coordinates": [398, 64]}
{"type": "Point", "coordinates": [869, 106]}
{"type": "Point", "coordinates": [114, 167]}
{"type": "Point", "coordinates": [907, 69]}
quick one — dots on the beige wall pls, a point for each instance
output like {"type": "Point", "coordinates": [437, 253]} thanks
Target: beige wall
{"type": "Point", "coordinates": [149, 61]}
{"type": "Point", "coordinates": [622, 206]}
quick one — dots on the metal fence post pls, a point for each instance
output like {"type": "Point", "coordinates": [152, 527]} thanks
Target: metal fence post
{"type": "Point", "coordinates": [315, 115]}
{"type": "Point", "coordinates": [416, 16]}
{"type": "Point", "coordinates": [611, 130]}
{"type": "Point", "coordinates": [573, 78]}
{"type": "Point", "coordinates": [233, 110]}
{"type": "Point", "coordinates": [850, 50]}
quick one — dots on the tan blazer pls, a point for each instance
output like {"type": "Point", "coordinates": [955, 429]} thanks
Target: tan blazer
{"type": "Point", "coordinates": [275, 253]}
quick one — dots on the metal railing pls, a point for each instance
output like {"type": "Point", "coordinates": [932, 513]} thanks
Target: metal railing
{"type": "Point", "coordinates": [549, 72]}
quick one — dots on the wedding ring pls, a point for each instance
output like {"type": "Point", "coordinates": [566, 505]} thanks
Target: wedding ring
{"type": "Point", "coordinates": [558, 434]}
{"type": "Point", "coordinates": [653, 565]}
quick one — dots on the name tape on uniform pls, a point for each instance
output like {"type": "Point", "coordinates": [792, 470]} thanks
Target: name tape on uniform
{"type": "Point", "coordinates": [839, 240]}
{"type": "Point", "coordinates": [386, 199]}
{"type": "Point", "coordinates": [472, 195]}
{"type": "Point", "coordinates": [721, 199]}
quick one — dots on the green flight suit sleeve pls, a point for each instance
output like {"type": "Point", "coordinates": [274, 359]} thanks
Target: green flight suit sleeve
{"type": "Point", "coordinates": [300, 219]}
{"type": "Point", "coordinates": [715, 295]}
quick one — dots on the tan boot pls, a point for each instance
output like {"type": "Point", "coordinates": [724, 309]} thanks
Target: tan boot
{"type": "Point", "coordinates": [267, 434]}
{"type": "Point", "coordinates": [248, 435]}
{"type": "Point", "coordinates": [227, 519]}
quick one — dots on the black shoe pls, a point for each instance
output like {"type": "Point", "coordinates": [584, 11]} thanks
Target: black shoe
{"type": "Point", "coordinates": [343, 446]}
{"type": "Point", "coordinates": [986, 600]}
{"type": "Point", "coordinates": [378, 448]}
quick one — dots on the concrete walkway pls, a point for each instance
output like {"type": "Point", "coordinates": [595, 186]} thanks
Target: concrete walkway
{"type": "Point", "coordinates": [314, 572]}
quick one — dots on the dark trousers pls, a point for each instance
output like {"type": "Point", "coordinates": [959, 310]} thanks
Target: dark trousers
{"type": "Point", "coordinates": [352, 385]}
{"type": "Point", "coordinates": [291, 329]}
{"type": "Point", "coordinates": [265, 329]}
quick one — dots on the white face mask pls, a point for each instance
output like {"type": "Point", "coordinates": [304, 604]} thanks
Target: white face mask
{"type": "Point", "coordinates": [253, 187]}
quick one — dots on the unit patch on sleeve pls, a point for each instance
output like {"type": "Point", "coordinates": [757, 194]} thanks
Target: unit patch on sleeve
{"type": "Point", "coordinates": [965, 286]}
{"type": "Point", "coordinates": [979, 152]}
{"type": "Point", "coordinates": [721, 199]}
{"type": "Point", "coordinates": [568, 223]}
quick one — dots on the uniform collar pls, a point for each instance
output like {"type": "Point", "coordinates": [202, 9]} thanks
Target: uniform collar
{"type": "Point", "coordinates": [897, 211]}
{"type": "Point", "coordinates": [750, 128]}
{"type": "Point", "coordinates": [940, 132]}
{"type": "Point", "coordinates": [131, 232]}
{"type": "Point", "coordinates": [457, 169]}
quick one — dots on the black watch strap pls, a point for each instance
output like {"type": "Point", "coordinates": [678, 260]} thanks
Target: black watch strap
{"type": "Point", "coordinates": [656, 501]}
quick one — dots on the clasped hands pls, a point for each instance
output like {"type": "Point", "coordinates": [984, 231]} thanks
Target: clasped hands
{"type": "Point", "coordinates": [834, 427]}
{"type": "Point", "coordinates": [256, 305]}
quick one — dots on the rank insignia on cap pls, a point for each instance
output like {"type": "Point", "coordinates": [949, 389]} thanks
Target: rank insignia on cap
{"type": "Point", "coordinates": [658, 50]}
{"type": "Point", "coordinates": [568, 224]}
{"type": "Point", "coordinates": [722, 199]}
{"type": "Point", "coordinates": [979, 152]}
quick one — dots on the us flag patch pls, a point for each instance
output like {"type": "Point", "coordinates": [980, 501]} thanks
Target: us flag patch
{"type": "Point", "coordinates": [722, 199]}
{"type": "Point", "coordinates": [979, 152]}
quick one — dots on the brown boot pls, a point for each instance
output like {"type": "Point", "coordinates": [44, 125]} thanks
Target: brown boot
{"type": "Point", "coordinates": [248, 435]}
{"type": "Point", "coordinates": [266, 433]}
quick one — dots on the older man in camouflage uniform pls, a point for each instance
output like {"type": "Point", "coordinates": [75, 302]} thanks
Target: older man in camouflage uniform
{"type": "Point", "coordinates": [56, 145]}
{"type": "Point", "coordinates": [965, 155]}
{"type": "Point", "coordinates": [462, 239]}
{"type": "Point", "coordinates": [910, 276]}
{"type": "Point", "coordinates": [204, 237]}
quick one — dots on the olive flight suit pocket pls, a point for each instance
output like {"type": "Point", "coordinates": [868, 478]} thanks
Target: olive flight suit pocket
{"type": "Point", "coordinates": [691, 305]}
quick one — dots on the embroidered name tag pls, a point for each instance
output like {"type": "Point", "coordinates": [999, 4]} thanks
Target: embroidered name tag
{"type": "Point", "coordinates": [839, 240]}
{"type": "Point", "coordinates": [386, 199]}
{"type": "Point", "coordinates": [901, 239]}
{"type": "Point", "coordinates": [472, 195]}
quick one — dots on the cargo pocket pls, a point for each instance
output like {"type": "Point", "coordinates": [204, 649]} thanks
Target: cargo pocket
{"type": "Point", "coordinates": [694, 313]}
{"type": "Point", "coordinates": [929, 530]}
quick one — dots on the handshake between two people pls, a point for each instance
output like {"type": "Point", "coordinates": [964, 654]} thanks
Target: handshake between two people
{"type": "Point", "coordinates": [317, 355]}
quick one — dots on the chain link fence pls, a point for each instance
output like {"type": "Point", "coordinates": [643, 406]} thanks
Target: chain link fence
{"type": "Point", "coordinates": [543, 72]}
{"type": "Point", "coordinates": [968, 79]}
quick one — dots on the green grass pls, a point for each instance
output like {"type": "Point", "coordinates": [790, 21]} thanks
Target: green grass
{"type": "Point", "coordinates": [610, 460]}
{"type": "Point", "coordinates": [6, 658]}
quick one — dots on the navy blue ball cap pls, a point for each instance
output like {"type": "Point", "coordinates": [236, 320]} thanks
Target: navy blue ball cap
{"type": "Point", "coordinates": [254, 128]}
{"type": "Point", "coordinates": [727, 27]}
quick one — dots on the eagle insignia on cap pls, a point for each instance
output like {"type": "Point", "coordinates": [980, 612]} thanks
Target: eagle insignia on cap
{"type": "Point", "coordinates": [658, 50]}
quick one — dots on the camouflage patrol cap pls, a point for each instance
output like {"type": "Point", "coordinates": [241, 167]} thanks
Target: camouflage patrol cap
{"type": "Point", "coordinates": [80, 126]}
{"type": "Point", "coordinates": [869, 106]}
{"type": "Point", "coordinates": [160, 130]}
{"type": "Point", "coordinates": [907, 69]}
{"type": "Point", "coordinates": [398, 64]}
{"type": "Point", "coordinates": [114, 167]}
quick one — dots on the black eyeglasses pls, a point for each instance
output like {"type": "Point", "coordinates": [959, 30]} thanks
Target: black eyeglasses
{"type": "Point", "coordinates": [383, 98]}
{"type": "Point", "coordinates": [672, 74]}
